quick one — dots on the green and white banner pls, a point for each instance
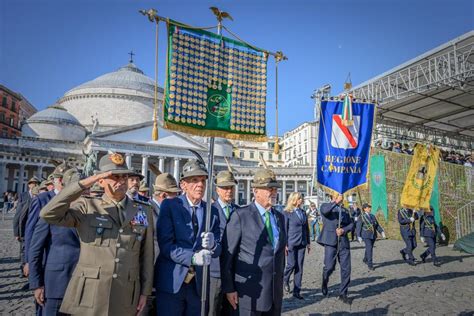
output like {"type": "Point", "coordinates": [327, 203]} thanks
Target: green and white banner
{"type": "Point", "coordinates": [378, 185]}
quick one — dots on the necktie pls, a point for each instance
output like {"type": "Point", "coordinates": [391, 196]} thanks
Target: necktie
{"type": "Point", "coordinates": [268, 226]}
{"type": "Point", "coordinates": [227, 211]}
{"type": "Point", "coordinates": [194, 220]}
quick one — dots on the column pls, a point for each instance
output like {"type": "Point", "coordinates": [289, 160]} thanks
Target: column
{"type": "Point", "coordinates": [176, 169]}
{"type": "Point", "coordinates": [248, 191]}
{"type": "Point", "coordinates": [3, 171]}
{"type": "Point", "coordinates": [145, 166]}
{"type": "Point", "coordinates": [128, 160]}
{"type": "Point", "coordinates": [236, 193]}
{"type": "Point", "coordinates": [308, 188]}
{"type": "Point", "coordinates": [296, 186]}
{"type": "Point", "coordinates": [283, 192]}
{"type": "Point", "coordinates": [40, 172]}
{"type": "Point", "coordinates": [161, 164]}
{"type": "Point", "coordinates": [20, 178]}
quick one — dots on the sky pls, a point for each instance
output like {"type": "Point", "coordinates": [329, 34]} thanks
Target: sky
{"type": "Point", "coordinates": [49, 47]}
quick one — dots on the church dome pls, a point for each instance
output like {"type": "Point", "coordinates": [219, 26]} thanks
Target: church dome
{"type": "Point", "coordinates": [120, 98]}
{"type": "Point", "coordinates": [54, 123]}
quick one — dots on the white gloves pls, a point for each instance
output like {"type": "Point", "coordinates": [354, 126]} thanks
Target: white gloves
{"type": "Point", "coordinates": [208, 240]}
{"type": "Point", "coordinates": [355, 218]}
{"type": "Point", "coordinates": [359, 239]}
{"type": "Point", "coordinates": [383, 235]}
{"type": "Point", "coordinates": [443, 237]}
{"type": "Point", "coordinates": [202, 258]}
{"type": "Point", "coordinates": [422, 239]}
{"type": "Point", "coordinates": [412, 219]}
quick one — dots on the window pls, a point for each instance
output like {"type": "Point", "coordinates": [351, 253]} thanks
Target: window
{"type": "Point", "coordinates": [270, 156]}
{"type": "Point", "coordinates": [13, 106]}
{"type": "Point", "coordinates": [4, 102]}
{"type": "Point", "coordinates": [12, 121]}
{"type": "Point", "coordinates": [2, 117]}
{"type": "Point", "coordinates": [279, 157]}
{"type": "Point", "coordinates": [241, 154]}
{"type": "Point", "coordinates": [252, 155]}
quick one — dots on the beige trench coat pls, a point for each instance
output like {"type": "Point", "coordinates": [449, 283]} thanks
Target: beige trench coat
{"type": "Point", "coordinates": [115, 264]}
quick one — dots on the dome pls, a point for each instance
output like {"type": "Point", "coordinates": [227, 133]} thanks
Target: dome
{"type": "Point", "coordinates": [117, 99]}
{"type": "Point", "coordinates": [54, 123]}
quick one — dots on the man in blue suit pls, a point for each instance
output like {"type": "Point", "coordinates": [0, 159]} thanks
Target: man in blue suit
{"type": "Point", "coordinates": [406, 219]}
{"type": "Point", "coordinates": [336, 224]}
{"type": "Point", "coordinates": [355, 214]}
{"type": "Point", "coordinates": [428, 232]}
{"type": "Point", "coordinates": [367, 228]}
{"type": "Point", "coordinates": [52, 255]}
{"type": "Point", "coordinates": [225, 189]}
{"type": "Point", "coordinates": [253, 257]}
{"type": "Point", "coordinates": [184, 246]}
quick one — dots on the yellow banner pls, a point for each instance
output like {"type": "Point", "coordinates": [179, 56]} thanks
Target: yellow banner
{"type": "Point", "coordinates": [420, 179]}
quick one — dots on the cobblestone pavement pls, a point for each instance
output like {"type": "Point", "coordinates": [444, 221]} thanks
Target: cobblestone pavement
{"type": "Point", "coordinates": [394, 288]}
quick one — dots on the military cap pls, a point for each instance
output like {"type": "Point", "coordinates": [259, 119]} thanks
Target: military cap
{"type": "Point", "coordinates": [35, 190]}
{"type": "Point", "coordinates": [365, 205]}
{"type": "Point", "coordinates": [96, 188]}
{"type": "Point", "coordinates": [193, 168]}
{"type": "Point", "coordinates": [143, 187]}
{"type": "Point", "coordinates": [225, 178]}
{"type": "Point", "coordinates": [70, 176]}
{"type": "Point", "coordinates": [34, 179]}
{"type": "Point", "coordinates": [165, 182]}
{"type": "Point", "coordinates": [264, 178]}
{"type": "Point", "coordinates": [113, 162]}
{"type": "Point", "coordinates": [59, 170]}
{"type": "Point", "coordinates": [43, 185]}
{"type": "Point", "coordinates": [136, 174]}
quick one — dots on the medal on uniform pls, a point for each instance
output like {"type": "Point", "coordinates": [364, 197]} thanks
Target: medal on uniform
{"type": "Point", "coordinates": [99, 230]}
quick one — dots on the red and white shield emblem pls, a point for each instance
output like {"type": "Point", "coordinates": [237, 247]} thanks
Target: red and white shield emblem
{"type": "Point", "coordinates": [345, 137]}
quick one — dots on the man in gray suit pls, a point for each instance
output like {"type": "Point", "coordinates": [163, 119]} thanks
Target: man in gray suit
{"type": "Point", "coordinates": [253, 252]}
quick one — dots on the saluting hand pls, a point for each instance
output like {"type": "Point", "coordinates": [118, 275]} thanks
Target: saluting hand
{"type": "Point", "coordinates": [89, 181]}
{"type": "Point", "coordinates": [233, 299]}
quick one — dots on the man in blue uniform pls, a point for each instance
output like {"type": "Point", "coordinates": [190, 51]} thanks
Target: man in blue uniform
{"type": "Point", "coordinates": [407, 218]}
{"type": "Point", "coordinates": [184, 245]}
{"type": "Point", "coordinates": [336, 224]}
{"type": "Point", "coordinates": [428, 232]}
{"type": "Point", "coordinates": [367, 228]}
{"type": "Point", "coordinates": [355, 214]}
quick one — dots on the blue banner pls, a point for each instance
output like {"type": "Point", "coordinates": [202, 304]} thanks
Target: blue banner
{"type": "Point", "coordinates": [344, 147]}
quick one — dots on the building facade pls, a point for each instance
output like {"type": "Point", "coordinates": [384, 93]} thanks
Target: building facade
{"type": "Point", "coordinates": [300, 145]}
{"type": "Point", "coordinates": [14, 109]}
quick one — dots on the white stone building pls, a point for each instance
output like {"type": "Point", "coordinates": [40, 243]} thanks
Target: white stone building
{"type": "Point", "coordinates": [300, 145]}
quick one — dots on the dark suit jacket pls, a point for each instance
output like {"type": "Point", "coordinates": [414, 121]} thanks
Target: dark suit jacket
{"type": "Point", "coordinates": [21, 215]}
{"type": "Point", "coordinates": [178, 245]}
{"type": "Point", "coordinates": [59, 248]}
{"type": "Point", "coordinates": [297, 229]}
{"type": "Point", "coordinates": [406, 228]}
{"type": "Point", "coordinates": [330, 214]}
{"type": "Point", "coordinates": [249, 264]}
{"type": "Point", "coordinates": [215, 269]}
{"type": "Point", "coordinates": [33, 215]}
{"type": "Point", "coordinates": [368, 226]}
{"type": "Point", "coordinates": [428, 227]}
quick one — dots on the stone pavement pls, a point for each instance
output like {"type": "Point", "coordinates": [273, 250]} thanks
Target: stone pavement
{"type": "Point", "coordinates": [394, 288]}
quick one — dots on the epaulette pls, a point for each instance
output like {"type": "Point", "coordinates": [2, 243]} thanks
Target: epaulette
{"type": "Point", "coordinates": [91, 197]}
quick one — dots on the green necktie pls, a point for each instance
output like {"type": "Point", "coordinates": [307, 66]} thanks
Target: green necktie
{"type": "Point", "coordinates": [227, 211]}
{"type": "Point", "coordinates": [268, 225]}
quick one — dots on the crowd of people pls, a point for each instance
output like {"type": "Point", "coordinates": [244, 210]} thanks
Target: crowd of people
{"type": "Point", "coordinates": [446, 155]}
{"type": "Point", "coordinates": [101, 246]}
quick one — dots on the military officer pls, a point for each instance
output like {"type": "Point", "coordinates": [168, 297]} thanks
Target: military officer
{"type": "Point", "coordinates": [133, 185]}
{"type": "Point", "coordinates": [253, 258]}
{"type": "Point", "coordinates": [114, 274]}
{"type": "Point", "coordinates": [367, 228]}
{"type": "Point", "coordinates": [143, 190]}
{"type": "Point", "coordinates": [336, 224]}
{"type": "Point", "coordinates": [225, 188]}
{"type": "Point", "coordinates": [428, 232]}
{"type": "Point", "coordinates": [185, 246]}
{"type": "Point", "coordinates": [355, 214]}
{"type": "Point", "coordinates": [406, 219]}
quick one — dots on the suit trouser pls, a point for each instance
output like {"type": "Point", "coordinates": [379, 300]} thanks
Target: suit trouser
{"type": "Point", "coordinates": [52, 306]}
{"type": "Point", "coordinates": [353, 231]}
{"type": "Point", "coordinates": [344, 257]}
{"type": "Point", "coordinates": [274, 311]}
{"type": "Point", "coordinates": [431, 248]}
{"type": "Point", "coordinates": [218, 303]}
{"type": "Point", "coordinates": [294, 263]}
{"type": "Point", "coordinates": [410, 242]}
{"type": "Point", "coordinates": [186, 302]}
{"type": "Point", "coordinates": [369, 246]}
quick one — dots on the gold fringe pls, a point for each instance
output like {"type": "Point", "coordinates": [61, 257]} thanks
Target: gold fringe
{"type": "Point", "coordinates": [214, 133]}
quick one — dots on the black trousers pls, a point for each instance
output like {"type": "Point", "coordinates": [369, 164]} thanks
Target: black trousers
{"type": "Point", "coordinates": [294, 264]}
{"type": "Point", "coordinates": [344, 258]}
{"type": "Point", "coordinates": [431, 248]}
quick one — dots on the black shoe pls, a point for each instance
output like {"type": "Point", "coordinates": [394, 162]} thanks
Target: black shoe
{"type": "Point", "coordinates": [364, 261]}
{"type": "Point", "coordinates": [437, 264]}
{"type": "Point", "coordinates": [403, 255]}
{"type": "Point", "coordinates": [423, 258]}
{"type": "Point", "coordinates": [324, 288]}
{"type": "Point", "coordinates": [345, 299]}
{"type": "Point", "coordinates": [412, 263]}
{"type": "Point", "coordinates": [287, 288]}
{"type": "Point", "coordinates": [298, 296]}
{"type": "Point", "coordinates": [371, 268]}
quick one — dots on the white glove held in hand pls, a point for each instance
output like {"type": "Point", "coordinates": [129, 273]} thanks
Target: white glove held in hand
{"type": "Point", "coordinates": [202, 258]}
{"type": "Point", "coordinates": [422, 239]}
{"type": "Point", "coordinates": [443, 237]}
{"type": "Point", "coordinates": [355, 218]}
{"type": "Point", "coordinates": [208, 241]}
{"type": "Point", "coordinates": [412, 219]}
{"type": "Point", "coordinates": [359, 239]}
{"type": "Point", "coordinates": [383, 235]}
